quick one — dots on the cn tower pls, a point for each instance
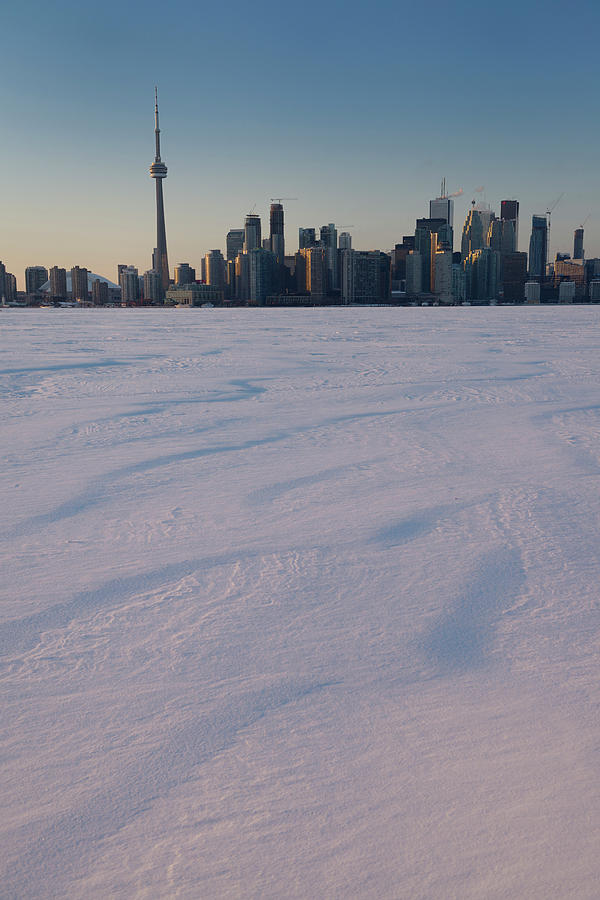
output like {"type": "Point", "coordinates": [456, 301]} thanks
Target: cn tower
{"type": "Point", "coordinates": [158, 170]}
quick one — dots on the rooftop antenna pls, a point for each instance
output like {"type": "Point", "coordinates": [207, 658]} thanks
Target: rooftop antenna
{"type": "Point", "coordinates": [156, 128]}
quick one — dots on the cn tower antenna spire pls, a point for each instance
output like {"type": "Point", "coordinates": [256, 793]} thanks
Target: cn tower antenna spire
{"type": "Point", "coordinates": [158, 171]}
{"type": "Point", "coordinates": [156, 126]}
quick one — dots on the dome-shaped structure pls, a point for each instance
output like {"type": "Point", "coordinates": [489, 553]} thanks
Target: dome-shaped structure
{"type": "Point", "coordinates": [45, 288]}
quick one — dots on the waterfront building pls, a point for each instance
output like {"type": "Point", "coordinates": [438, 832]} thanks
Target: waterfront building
{"type": "Point", "coordinates": [594, 290]}
{"type": "Point", "coordinates": [538, 247]}
{"type": "Point", "coordinates": [414, 272]}
{"type": "Point", "coordinates": [214, 264]}
{"type": "Point", "coordinates": [99, 292]}
{"type": "Point", "coordinates": [566, 292]}
{"type": "Point", "coordinates": [58, 283]}
{"type": "Point", "coordinates": [365, 276]}
{"type": "Point", "coordinates": [152, 285]}
{"type": "Point", "coordinates": [459, 283]}
{"type": "Point", "coordinates": [194, 295]}
{"type": "Point", "coordinates": [79, 284]}
{"type": "Point", "coordinates": [263, 275]}
{"type": "Point", "coordinates": [35, 277]}
{"type": "Point", "coordinates": [230, 279]}
{"type": "Point", "coordinates": [277, 239]}
{"type": "Point", "coordinates": [571, 270]}
{"type": "Point", "coordinates": [482, 268]}
{"type": "Point", "coordinates": [311, 272]}
{"type": "Point", "coordinates": [242, 277]}
{"type": "Point", "coordinates": [532, 292]}
{"type": "Point", "coordinates": [10, 287]}
{"type": "Point", "coordinates": [130, 285]}
{"type": "Point", "coordinates": [328, 238]}
{"type": "Point", "coordinates": [514, 276]}
{"type": "Point", "coordinates": [424, 231]}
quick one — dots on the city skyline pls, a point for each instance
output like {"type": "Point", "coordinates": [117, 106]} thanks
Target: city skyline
{"type": "Point", "coordinates": [359, 130]}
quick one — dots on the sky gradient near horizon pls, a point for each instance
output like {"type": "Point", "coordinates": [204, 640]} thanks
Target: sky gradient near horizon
{"type": "Point", "coordinates": [356, 111]}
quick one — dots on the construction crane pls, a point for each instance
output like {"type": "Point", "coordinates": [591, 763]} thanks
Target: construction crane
{"type": "Point", "coordinates": [281, 199]}
{"type": "Point", "coordinates": [549, 212]}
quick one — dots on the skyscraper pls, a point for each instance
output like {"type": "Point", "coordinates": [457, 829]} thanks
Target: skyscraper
{"type": "Point", "coordinates": [414, 272]}
{"type": "Point", "coordinates": [578, 244]}
{"type": "Point", "coordinates": [509, 212]}
{"type": "Point", "coordinates": [184, 274]}
{"type": "Point", "coordinates": [262, 274]}
{"type": "Point", "coordinates": [130, 285]}
{"type": "Point", "coordinates": [158, 171]}
{"type": "Point", "coordinates": [365, 276]}
{"type": "Point", "coordinates": [252, 238]}
{"type": "Point", "coordinates": [311, 272]}
{"type": "Point", "coordinates": [538, 247]}
{"type": "Point", "coordinates": [10, 287]}
{"type": "Point", "coordinates": [99, 292]}
{"type": "Point", "coordinates": [215, 269]}
{"type": "Point", "coordinates": [514, 276]}
{"type": "Point", "coordinates": [152, 285]}
{"type": "Point", "coordinates": [235, 242]}
{"type": "Point", "coordinates": [58, 282]}
{"type": "Point", "coordinates": [35, 277]}
{"type": "Point", "coordinates": [329, 237]}
{"type": "Point", "coordinates": [424, 230]}
{"type": "Point", "coordinates": [442, 208]}
{"type": "Point", "coordinates": [345, 241]}
{"type": "Point", "coordinates": [277, 239]}
{"type": "Point", "coordinates": [306, 238]}
{"type": "Point", "coordinates": [79, 283]}
{"type": "Point", "coordinates": [476, 228]}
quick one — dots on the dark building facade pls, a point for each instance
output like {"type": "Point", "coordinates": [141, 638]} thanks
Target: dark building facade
{"type": "Point", "coordinates": [58, 283]}
{"type": "Point", "coordinates": [538, 247]}
{"type": "Point", "coordinates": [509, 212]}
{"type": "Point", "coordinates": [514, 275]}
{"type": "Point", "coordinates": [277, 240]}
{"type": "Point", "coordinates": [235, 242]}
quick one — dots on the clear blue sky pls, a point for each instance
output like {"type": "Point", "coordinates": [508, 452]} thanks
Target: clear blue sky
{"type": "Point", "coordinates": [356, 109]}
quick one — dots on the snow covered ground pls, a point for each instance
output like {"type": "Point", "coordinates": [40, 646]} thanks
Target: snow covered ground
{"type": "Point", "coordinates": [300, 603]}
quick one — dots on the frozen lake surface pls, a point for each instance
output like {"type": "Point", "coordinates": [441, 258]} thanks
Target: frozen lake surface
{"type": "Point", "coordinates": [300, 603]}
